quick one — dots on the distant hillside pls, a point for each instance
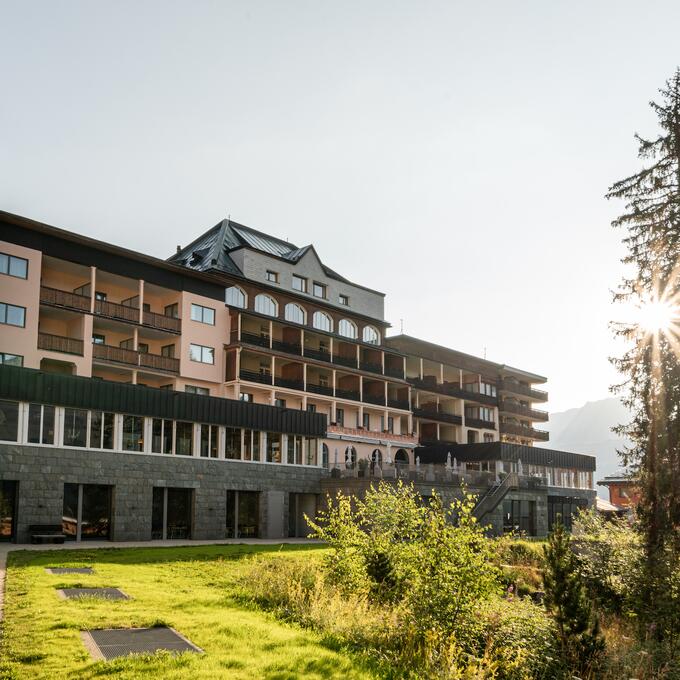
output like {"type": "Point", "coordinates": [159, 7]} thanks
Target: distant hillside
{"type": "Point", "coordinates": [588, 430]}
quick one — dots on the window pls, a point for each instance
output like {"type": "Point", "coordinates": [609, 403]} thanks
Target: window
{"type": "Point", "coordinates": [202, 354]}
{"type": "Point", "coordinates": [366, 422]}
{"type": "Point", "coordinates": [264, 304]}
{"type": "Point", "coordinates": [142, 348]}
{"type": "Point", "coordinates": [272, 277]}
{"type": "Point", "coordinates": [40, 424]}
{"type": "Point", "coordinates": [265, 368]}
{"type": "Point", "coordinates": [13, 266]}
{"type": "Point", "coordinates": [281, 403]}
{"type": "Point", "coordinates": [12, 315]}
{"type": "Point", "coordinates": [251, 445]}
{"type": "Point", "coordinates": [98, 339]}
{"type": "Point", "coordinates": [161, 436]}
{"type": "Point", "coordinates": [323, 379]}
{"type": "Point", "coordinates": [168, 351]}
{"type": "Point", "coordinates": [347, 328]}
{"type": "Point", "coordinates": [273, 449]}
{"type": "Point", "coordinates": [294, 449]}
{"type": "Point", "coordinates": [203, 314]}
{"type": "Point", "coordinates": [488, 388]}
{"type": "Point", "coordinates": [319, 290]}
{"type": "Point", "coordinates": [350, 457]}
{"type": "Point", "coordinates": [172, 310]}
{"type": "Point", "coordinates": [488, 437]}
{"type": "Point", "coordinates": [194, 389]}
{"type": "Point", "coordinates": [312, 452]}
{"type": "Point", "coordinates": [311, 408]}
{"type": "Point", "coordinates": [11, 359]}
{"type": "Point", "coordinates": [232, 443]}
{"type": "Point", "coordinates": [244, 396]}
{"type": "Point", "coordinates": [294, 313]}
{"type": "Point", "coordinates": [209, 435]}
{"type": "Point", "coordinates": [343, 300]}
{"type": "Point", "coordinates": [75, 427]}
{"type": "Point", "coordinates": [98, 295]}
{"type": "Point", "coordinates": [133, 433]}
{"type": "Point", "coordinates": [322, 321]}
{"type": "Point", "coordinates": [184, 438]}
{"type": "Point", "coordinates": [340, 416]}
{"type": "Point", "coordinates": [235, 297]}
{"type": "Point", "coordinates": [299, 283]}
{"type": "Point", "coordinates": [102, 428]}
{"type": "Point", "coordinates": [401, 457]}
{"type": "Point", "coordinates": [9, 421]}
{"type": "Point", "coordinates": [371, 335]}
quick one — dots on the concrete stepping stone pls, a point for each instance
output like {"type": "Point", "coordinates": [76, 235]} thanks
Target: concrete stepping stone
{"type": "Point", "coordinates": [69, 570]}
{"type": "Point", "coordinates": [110, 643]}
{"type": "Point", "coordinates": [105, 593]}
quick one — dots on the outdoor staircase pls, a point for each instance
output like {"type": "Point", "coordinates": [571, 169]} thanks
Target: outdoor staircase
{"type": "Point", "coordinates": [490, 500]}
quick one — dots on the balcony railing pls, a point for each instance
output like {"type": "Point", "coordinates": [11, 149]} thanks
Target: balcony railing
{"type": "Point", "coordinates": [370, 366]}
{"type": "Point", "coordinates": [378, 399]}
{"type": "Point", "coordinates": [347, 394]}
{"type": "Point", "coordinates": [433, 414]}
{"type": "Point", "coordinates": [290, 383]}
{"type": "Point", "coordinates": [121, 355]}
{"type": "Point", "coordinates": [528, 432]}
{"type": "Point", "coordinates": [525, 390]}
{"type": "Point", "coordinates": [480, 423]}
{"type": "Point", "coordinates": [166, 323]}
{"type": "Point", "coordinates": [453, 390]}
{"type": "Point", "coordinates": [319, 355]}
{"type": "Point", "coordinates": [320, 389]}
{"type": "Point", "coordinates": [255, 339]}
{"type": "Point", "coordinates": [398, 403]}
{"type": "Point", "coordinates": [59, 343]}
{"type": "Point", "coordinates": [256, 376]}
{"type": "Point", "coordinates": [394, 372]}
{"type": "Point", "coordinates": [350, 362]}
{"type": "Point", "coordinates": [289, 347]}
{"type": "Point", "coordinates": [158, 362]}
{"type": "Point", "coordinates": [115, 311]}
{"type": "Point", "coordinates": [62, 298]}
{"type": "Point", "coordinates": [518, 409]}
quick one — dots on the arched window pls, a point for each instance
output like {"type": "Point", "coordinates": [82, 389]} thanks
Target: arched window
{"type": "Point", "coordinates": [401, 457]}
{"type": "Point", "coordinates": [324, 455]}
{"type": "Point", "coordinates": [264, 304]}
{"type": "Point", "coordinates": [235, 297]}
{"type": "Point", "coordinates": [322, 321]}
{"type": "Point", "coordinates": [376, 457]}
{"type": "Point", "coordinates": [347, 328]}
{"type": "Point", "coordinates": [371, 335]}
{"type": "Point", "coordinates": [294, 313]}
{"type": "Point", "coordinates": [350, 457]}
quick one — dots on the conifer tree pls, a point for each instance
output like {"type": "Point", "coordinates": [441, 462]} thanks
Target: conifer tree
{"type": "Point", "coordinates": [566, 599]}
{"type": "Point", "coordinates": [651, 365]}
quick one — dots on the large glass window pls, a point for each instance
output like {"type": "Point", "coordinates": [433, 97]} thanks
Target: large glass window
{"type": "Point", "coordinates": [40, 424]}
{"type": "Point", "coordinates": [184, 436]}
{"type": "Point", "coordinates": [203, 314]}
{"type": "Point", "coordinates": [12, 315]}
{"type": "Point", "coordinates": [264, 304]}
{"type": "Point", "coordinates": [13, 266]}
{"type": "Point", "coordinates": [294, 449]}
{"type": "Point", "coordinates": [347, 328]}
{"type": "Point", "coordinates": [371, 335]}
{"type": "Point", "coordinates": [86, 511]}
{"type": "Point", "coordinates": [235, 297]}
{"type": "Point", "coordinates": [209, 443]}
{"type": "Point", "coordinates": [133, 433]}
{"type": "Point", "coordinates": [294, 313]}
{"type": "Point", "coordinates": [243, 512]}
{"type": "Point", "coordinates": [232, 443]}
{"type": "Point", "coordinates": [519, 516]}
{"type": "Point", "coordinates": [9, 421]}
{"type": "Point", "coordinates": [75, 427]}
{"type": "Point", "coordinates": [102, 430]}
{"type": "Point", "coordinates": [202, 354]}
{"type": "Point", "coordinates": [311, 452]}
{"type": "Point", "coordinates": [161, 436]}
{"type": "Point", "coordinates": [273, 451]}
{"type": "Point", "coordinates": [11, 359]}
{"type": "Point", "coordinates": [171, 513]}
{"type": "Point", "coordinates": [299, 283]}
{"type": "Point", "coordinates": [322, 321]}
{"type": "Point", "coordinates": [251, 445]}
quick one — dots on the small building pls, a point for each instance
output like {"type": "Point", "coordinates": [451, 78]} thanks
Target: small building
{"type": "Point", "coordinates": [623, 490]}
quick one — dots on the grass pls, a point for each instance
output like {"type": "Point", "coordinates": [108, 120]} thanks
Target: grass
{"type": "Point", "coordinates": [196, 590]}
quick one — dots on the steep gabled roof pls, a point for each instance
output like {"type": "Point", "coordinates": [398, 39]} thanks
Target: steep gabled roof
{"type": "Point", "coordinates": [211, 250]}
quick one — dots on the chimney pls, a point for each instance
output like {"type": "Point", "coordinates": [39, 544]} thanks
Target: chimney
{"type": "Point", "coordinates": [179, 249]}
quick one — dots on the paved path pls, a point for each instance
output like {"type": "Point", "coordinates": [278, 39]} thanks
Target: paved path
{"type": "Point", "coordinates": [89, 545]}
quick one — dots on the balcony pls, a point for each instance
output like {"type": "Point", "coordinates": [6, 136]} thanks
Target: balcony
{"type": "Point", "coordinates": [289, 347]}
{"type": "Point", "coordinates": [320, 389]}
{"type": "Point", "coordinates": [290, 383]}
{"type": "Point", "coordinates": [377, 399]}
{"type": "Point", "coordinates": [527, 432]}
{"type": "Point", "coordinates": [394, 372]}
{"type": "Point", "coordinates": [113, 310]}
{"type": "Point", "coordinates": [398, 403]}
{"type": "Point", "coordinates": [256, 376]}
{"type": "Point", "coordinates": [347, 394]}
{"type": "Point", "coordinates": [319, 355]}
{"type": "Point", "coordinates": [433, 414]}
{"type": "Point", "coordinates": [130, 357]}
{"type": "Point", "coordinates": [395, 439]}
{"type": "Point", "coordinates": [59, 343]}
{"type": "Point", "coordinates": [479, 423]}
{"type": "Point", "coordinates": [165, 323]}
{"type": "Point", "coordinates": [525, 390]}
{"type": "Point", "coordinates": [453, 390]}
{"type": "Point", "coordinates": [255, 339]}
{"type": "Point", "coordinates": [350, 362]}
{"type": "Point", "coordinates": [371, 367]}
{"type": "Point", "coordinates": [62, 298]}
{"type": "Point", "coordinates": [518, 409]}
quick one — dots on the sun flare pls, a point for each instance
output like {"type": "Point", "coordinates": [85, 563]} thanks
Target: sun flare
{"type": "Point", "coordinates": [656, 315]}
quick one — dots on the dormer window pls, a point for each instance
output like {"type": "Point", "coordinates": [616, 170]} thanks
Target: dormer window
{"type": "Point", "coordinates": [343, 300]}
{"type": "Point", "coordinates": [271, 276]}
{"type": "Point", "coordinates": [319, 290]}
{"type": "Point", "coordinates": [299, 283]}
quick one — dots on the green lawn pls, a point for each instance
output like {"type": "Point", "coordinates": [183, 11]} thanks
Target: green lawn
{"type": "Point", "coordinates": [195, 590]}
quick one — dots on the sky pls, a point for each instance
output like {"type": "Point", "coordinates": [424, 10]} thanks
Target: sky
{"type": "Point", "coordinates": [453, 155]}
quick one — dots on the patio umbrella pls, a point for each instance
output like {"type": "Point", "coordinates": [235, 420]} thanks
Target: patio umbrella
{"type": "Point", "coordinates": [448, 460]}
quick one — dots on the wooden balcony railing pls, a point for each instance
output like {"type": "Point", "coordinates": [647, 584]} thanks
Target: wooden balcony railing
{"type": "Point", "coordinates": [59, 343]}
{"type": "Point", "coordinates": [524, 390]}
{"type": "Point", "coordinates": [518, 409]}
{"type": "Point", "coordinates": [62, 298]}
{"type": "Point", "coordinates": [130, 357]}
{"type": "Point", "coordinates": [166, 323]}
{"type": "Point", "coordinates": [528, 432]}
{"type": "Point", "coordinates": [115, 311]}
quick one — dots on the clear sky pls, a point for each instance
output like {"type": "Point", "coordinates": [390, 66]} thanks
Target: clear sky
{"type": "Point", "coordinates": [451, 154]}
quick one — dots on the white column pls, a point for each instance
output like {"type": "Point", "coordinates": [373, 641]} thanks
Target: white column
{"type": "Point", "coordinates": [140, 295]}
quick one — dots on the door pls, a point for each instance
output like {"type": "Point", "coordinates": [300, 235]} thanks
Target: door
{"type": "Point", "coordinates": [9, 498]}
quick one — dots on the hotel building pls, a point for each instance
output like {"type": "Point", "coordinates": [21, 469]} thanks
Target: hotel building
{"type": "Point", "coordinates": [224, 391]}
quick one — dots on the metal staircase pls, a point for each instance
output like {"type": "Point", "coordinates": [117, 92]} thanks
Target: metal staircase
{"type": "Point", "coordinates": [490, 500]}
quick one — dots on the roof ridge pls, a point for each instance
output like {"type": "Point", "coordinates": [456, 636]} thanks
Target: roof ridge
{"type": "Point", "coordinates": [291, 246]}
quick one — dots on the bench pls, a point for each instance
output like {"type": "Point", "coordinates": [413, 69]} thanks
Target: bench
{"type": "Point", "coordinates": [46, 533]}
